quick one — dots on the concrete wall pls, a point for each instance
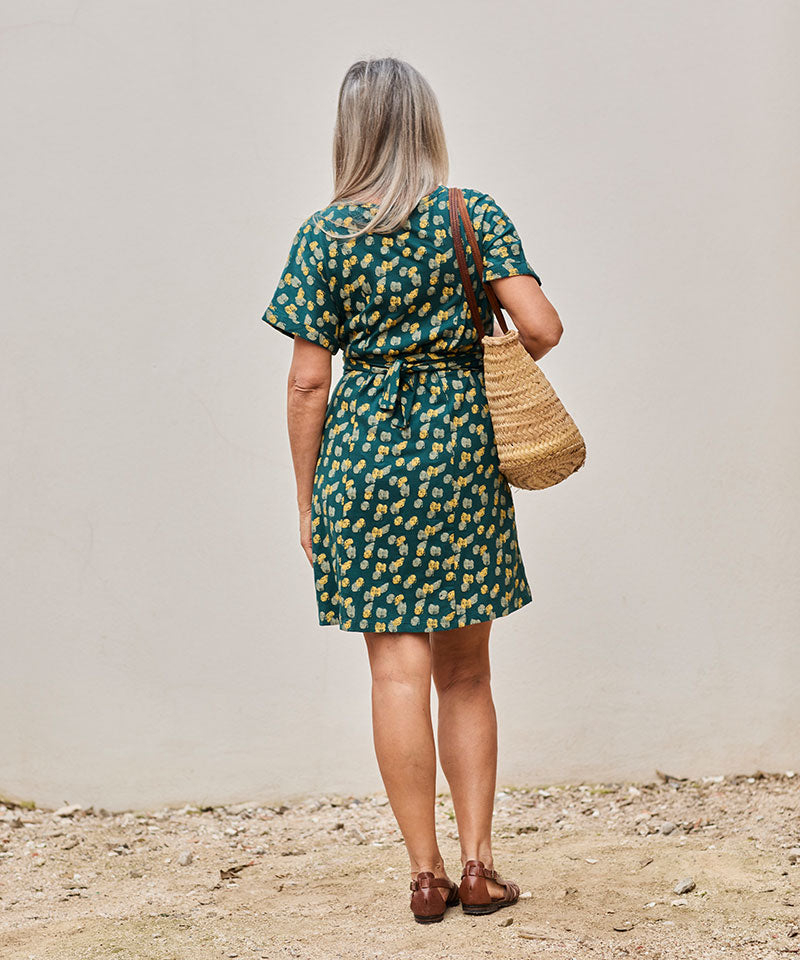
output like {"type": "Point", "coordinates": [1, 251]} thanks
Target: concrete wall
{"type": "Point", "coordinates": [160, 641]}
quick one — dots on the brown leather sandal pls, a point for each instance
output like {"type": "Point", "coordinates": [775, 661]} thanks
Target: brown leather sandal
{"type": "Point", "coordinates": [474, 892]}
{"type": "Point", "coordinates": [427, 903]}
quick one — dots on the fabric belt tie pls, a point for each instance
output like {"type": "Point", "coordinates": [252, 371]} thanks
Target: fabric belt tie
{"type": "Point", "coordinates": [398, 367]}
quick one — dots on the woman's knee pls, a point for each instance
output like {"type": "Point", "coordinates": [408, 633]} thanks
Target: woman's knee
{"type": "Point", "coordinates": [403, 658]}
{"type": "Point", "coordinates": [461, 660]}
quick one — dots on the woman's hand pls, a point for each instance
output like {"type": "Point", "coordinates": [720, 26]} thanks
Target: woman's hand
{"type": "Point", "coordinates": [305, 532]}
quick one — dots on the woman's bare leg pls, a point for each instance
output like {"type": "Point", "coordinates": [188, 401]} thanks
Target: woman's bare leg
{"type": "Point", "coordinates": [467, 733]}
{"type": "Point", "coordinates": [404, 743]}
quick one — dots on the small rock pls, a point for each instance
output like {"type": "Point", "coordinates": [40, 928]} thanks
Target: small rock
{"type": "Point", "coordinates": [532, 935]}
{"type": "Point", "coordinates": [68, 811]}
{"type": "Point", "coordinates": [354, 834]}
{"type": "Point", "coordinates": [794, 855]}
{"type": "Point", "coordinates": [185, 858]}
{"type": "Point", "coordinates": [667, 827]}
{"type": "Point", "coordinates": [679, 903]}
{"type": "Point", "coordinates": [683, 886]}
{"type": "Point", "coordinates": [509, 920]}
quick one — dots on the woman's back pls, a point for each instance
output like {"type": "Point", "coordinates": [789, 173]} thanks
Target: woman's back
{"type": "Point", "coordinates": [395, 293]}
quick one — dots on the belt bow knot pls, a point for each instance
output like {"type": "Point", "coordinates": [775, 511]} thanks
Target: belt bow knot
{"type": "Point", "coordinates": [394, 368]}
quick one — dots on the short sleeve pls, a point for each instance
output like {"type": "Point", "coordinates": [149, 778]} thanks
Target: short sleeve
{"type": "Point", "coordinates": [503, 255]}
{"type": "Point", "coordinates": [303, 304]}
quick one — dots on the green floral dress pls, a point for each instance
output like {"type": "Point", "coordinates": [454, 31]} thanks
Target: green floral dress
{"type": "Point", "coordinates": [413, 525]}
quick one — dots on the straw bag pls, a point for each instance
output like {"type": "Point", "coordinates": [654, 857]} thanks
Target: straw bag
{"type": "Point", "coordinates": [538, 443]}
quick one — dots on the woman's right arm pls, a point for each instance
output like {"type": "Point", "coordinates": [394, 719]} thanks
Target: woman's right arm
{"type": "Point", "coordinates": [536, 319]}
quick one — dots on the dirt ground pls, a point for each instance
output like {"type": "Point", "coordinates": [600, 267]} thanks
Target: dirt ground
{"type": "Point", "coordinates": [327, 877]}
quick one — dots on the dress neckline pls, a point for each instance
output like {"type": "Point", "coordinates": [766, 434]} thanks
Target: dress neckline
{"type": "Point", "coordinates": [376, 203]}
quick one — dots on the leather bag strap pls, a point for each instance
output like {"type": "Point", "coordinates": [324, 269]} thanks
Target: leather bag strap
{"type": "Point", "coordinates": [459, 211]}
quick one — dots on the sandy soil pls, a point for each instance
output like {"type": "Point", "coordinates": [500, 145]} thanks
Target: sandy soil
{"type": "Point", "coordinates": [327, 877]}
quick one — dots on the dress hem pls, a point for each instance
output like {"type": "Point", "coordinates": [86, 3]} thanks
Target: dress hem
{"type": "Point", "coordinates": [415, 628]}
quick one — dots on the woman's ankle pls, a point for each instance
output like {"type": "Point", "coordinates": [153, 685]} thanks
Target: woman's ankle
{"type": "Point", "coordinates": [435, 866]}
{"type": "Point", "coordinates": [484, 854]}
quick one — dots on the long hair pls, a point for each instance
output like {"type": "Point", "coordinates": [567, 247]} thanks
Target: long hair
{"type": "Point", "coordinates": [389, 148]}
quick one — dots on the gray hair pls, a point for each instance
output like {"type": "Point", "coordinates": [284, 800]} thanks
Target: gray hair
{"type": "Point", "coordinates": [388, 142]}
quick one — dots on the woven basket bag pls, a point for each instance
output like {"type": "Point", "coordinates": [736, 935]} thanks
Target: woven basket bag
{"type": "Point", "coordinates": [538, 443]}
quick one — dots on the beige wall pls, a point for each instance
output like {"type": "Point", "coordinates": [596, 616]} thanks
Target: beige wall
{"type": "Point", "coordinates": [160, 638]}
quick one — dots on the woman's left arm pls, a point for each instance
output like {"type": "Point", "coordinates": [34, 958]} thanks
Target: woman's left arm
{"type": "Point", "coordinates": [307, 401]}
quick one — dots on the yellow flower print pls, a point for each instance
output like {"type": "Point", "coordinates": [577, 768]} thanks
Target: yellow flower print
{"type": "Point", "coordinates": [413, 525]}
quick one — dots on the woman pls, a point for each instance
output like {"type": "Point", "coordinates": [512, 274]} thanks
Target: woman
{"type": "Point", "coordinates": [404, 515]}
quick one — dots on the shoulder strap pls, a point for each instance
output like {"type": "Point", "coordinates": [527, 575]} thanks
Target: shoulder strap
{"type": "Point", "coordinates": [459, 211]}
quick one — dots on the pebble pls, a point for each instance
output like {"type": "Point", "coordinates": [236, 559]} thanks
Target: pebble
{"type": "Point", "coordinates": [506, 922]}
{"type": "Point", "coordinates": [667, 827]}
{"type": "Point", "coordinates": [356, 835]}
{"type": "Point", "coordinates": [794, 855]}
{"type": "Point", "coordinates": [532, 935]}
{"type": "Point", "coordinates": [185, 858]}
{"type": "Point", "coordinates": [68, 811]}
{"type": "Point", "coordinates": [684, 886]}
